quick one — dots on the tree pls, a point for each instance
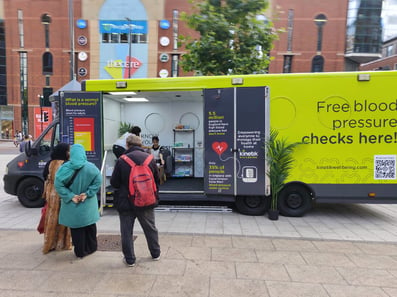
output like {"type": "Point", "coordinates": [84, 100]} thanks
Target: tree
{"type": "Point", "coordinates": [233, 40]}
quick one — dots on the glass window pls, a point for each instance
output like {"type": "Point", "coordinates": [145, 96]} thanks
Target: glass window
{"type": "Point", "coordinates": [139, 38]}
{"type": "Point", "coordinates": [143, 38]}
{"type": "Point", "coordinates": [48, 140]}
{"type": "Point", "coordinates": [46, 96]}
{"type": "Point", "coordinates": [47, 63]}
{"type": "Point", "coordinates": [135, 38]}
{"type": "Point", "coordinates": [390, 50]}
{"type": "Point", "coordinates": [124, 38]}
{"type": "Point", "coordinates": [287, 67]}
{"type": "Point", "coordinates": [46, 21]}
{"type": "Point", "coordinates": [114, 38]}
{"type": "Point", "coordinates": [318, 64]}
{"type": "Point", "coordinates": [364, 26]}
{"type": "Point", "coordinates": [3, 68]}
{"type": "Point", "coordinates": [105, 38]}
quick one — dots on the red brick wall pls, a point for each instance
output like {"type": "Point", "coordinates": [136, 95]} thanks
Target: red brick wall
{"type": "Point", "coordinates": [304, 40]}
{"type": "Point", "coordinates": [34, 45]}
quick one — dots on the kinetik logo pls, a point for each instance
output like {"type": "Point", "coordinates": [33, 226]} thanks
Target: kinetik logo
{"type": "Point", "coordinates": [244, 154]}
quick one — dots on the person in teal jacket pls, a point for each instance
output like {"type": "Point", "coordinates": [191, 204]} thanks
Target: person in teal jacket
{"type": "Point", "coordinates": [79, 202]}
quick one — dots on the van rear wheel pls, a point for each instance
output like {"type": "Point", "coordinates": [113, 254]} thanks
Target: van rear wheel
{"type": "Point", "coordinates": [30, 191]}
{"type": "Point", "coordinates": [252, 205]}
{"type": "Point", "coordinates": [294, 200]}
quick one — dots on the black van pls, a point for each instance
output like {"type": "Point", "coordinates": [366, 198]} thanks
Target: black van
{"type": "Point", "coordinates": [24, 174]}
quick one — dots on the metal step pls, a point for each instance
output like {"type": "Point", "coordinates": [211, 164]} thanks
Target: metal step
{"type": "Point", "coordinates": [192, 208]}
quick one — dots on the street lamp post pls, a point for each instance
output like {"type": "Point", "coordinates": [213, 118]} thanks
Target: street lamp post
{"type": "Point", "coordinates": [129, 46]}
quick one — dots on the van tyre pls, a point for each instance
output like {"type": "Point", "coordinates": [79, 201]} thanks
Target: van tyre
{"type": "Point", "coordinates": [30, 191]}
{"type": "Point", "coordinates": [252, 205]}
{"type": "Point", "coordinates": [294, 200]}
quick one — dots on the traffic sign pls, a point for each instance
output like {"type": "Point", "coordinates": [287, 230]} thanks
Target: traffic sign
{"type": "Point", "coordinates": [82, 71]}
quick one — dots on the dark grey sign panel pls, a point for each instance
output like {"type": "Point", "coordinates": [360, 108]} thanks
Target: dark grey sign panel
{"type": "Point", "coordinates": [218, 125]}
{"type": "Point", "coordinates": [250, 133]}
{"type": "Point", "coordinates": [81, 122]}
{"type": "Point", "coordinates": [234, 132]}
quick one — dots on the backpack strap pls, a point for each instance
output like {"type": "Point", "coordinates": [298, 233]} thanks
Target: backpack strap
{"type": "Point", "coordinates": [132, 163]}
{"type": "Point", "coordinates": [148, 160]}
{"type": "Point", "coordinates": [128, 160]}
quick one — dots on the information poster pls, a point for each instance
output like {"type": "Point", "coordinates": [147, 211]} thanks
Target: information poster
{"type": "Point", "coordinates": [249, 137]}
{"type": "Point", "coordinates": [219, 141]}
{"type": "Point", "coordinates": [234, 134]}
{"type": "Point", "coordinates": [81, 122]}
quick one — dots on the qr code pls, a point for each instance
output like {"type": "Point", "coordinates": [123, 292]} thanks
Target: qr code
{"type": "Point", "coordinates": [385, 167]}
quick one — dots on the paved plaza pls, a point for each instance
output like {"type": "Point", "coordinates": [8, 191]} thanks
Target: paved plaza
{"type": "Point", "coordinates": [335, 250]}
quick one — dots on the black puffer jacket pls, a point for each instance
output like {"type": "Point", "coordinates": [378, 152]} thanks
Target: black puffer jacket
{"type": "Point", "coordinates": [121, 175]}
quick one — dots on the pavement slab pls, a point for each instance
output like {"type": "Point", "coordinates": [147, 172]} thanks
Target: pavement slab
{"type": "Point", "coordinates": [336, 250]}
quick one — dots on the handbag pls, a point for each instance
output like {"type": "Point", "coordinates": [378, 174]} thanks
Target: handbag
{"type": "Point", "coordinates": [40, 227]}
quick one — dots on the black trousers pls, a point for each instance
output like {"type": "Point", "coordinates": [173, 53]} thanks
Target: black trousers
{"type": "Point", "coordinates": [84, 240]}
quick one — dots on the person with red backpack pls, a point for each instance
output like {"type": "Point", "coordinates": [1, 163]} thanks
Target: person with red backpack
{"type": "Point", "coordinates": [135, 196]}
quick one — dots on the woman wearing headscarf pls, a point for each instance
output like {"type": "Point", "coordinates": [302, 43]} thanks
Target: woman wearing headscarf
{"type": "Point", "coordinates": [79, 202]}
{"type": "Point", "coordinates": [56, 236]}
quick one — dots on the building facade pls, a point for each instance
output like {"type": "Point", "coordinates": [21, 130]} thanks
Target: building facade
{"type": "Point", "coordinates": [139, 38]}
{"type": "Point", "coordinates": [326, 35]}
{"type": "Point", "coordinates": [388, 60]}
{"type": "Point", "coordinates": [111, 39]}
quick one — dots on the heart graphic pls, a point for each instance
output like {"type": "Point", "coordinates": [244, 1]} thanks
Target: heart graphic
{"type": "Point", "coordinates": [219, 147]}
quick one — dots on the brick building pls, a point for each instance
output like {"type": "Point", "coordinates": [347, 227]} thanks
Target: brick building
{"type": "Point", "coordinates": [314, 31]}
{"type": "Point", "coordinates": [138, 38]}
{"type": "Point", "coordinates": [326, 35]}
{"type": "Point", "coordinates": [109, 35]}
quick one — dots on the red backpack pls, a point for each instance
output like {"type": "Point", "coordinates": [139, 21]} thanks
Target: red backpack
{"type": "Point", "coordinates": [142, 186]}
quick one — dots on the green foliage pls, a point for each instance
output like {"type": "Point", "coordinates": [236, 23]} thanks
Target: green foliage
{"type": "Point", "coordinates": [232, 40]}
{"type": "Point", "coordinates": [124, 127]}
{"type": "Point", "coordinates": [279, 157]}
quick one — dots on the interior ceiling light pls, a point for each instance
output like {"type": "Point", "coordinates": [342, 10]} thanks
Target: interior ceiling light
{"type": "Point", "coordinates": [122, 93]}
{"type": "Point", "coordinates": [135, 99]}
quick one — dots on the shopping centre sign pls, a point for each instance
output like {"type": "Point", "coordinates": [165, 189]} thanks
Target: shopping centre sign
{"type": "Point", "coordinates": [115, 68]}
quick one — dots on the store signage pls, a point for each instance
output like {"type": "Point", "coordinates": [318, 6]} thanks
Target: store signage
{"type": "Point", "coordinates": [164, 57]}
{"type": "Point", "coordinates": [124, 26]}
{"type": "Point", "coordinates": [82, 71]}
{"type": "Point", "coordinates": [164, 41]}
{"type": "Point", "coordinates": [81, 24]}
{"type": "Point", "coordinates": [83, 56]}
{"type": "Point", "coordinates": [164, 24]}
{"type": "Point", "coordinates": [163, 73]}
{"type": "Point", "coordinates": [82, 40]}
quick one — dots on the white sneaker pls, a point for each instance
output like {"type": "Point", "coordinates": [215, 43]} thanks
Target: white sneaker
{"type": "Point", "coordinates": [157, 258]}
